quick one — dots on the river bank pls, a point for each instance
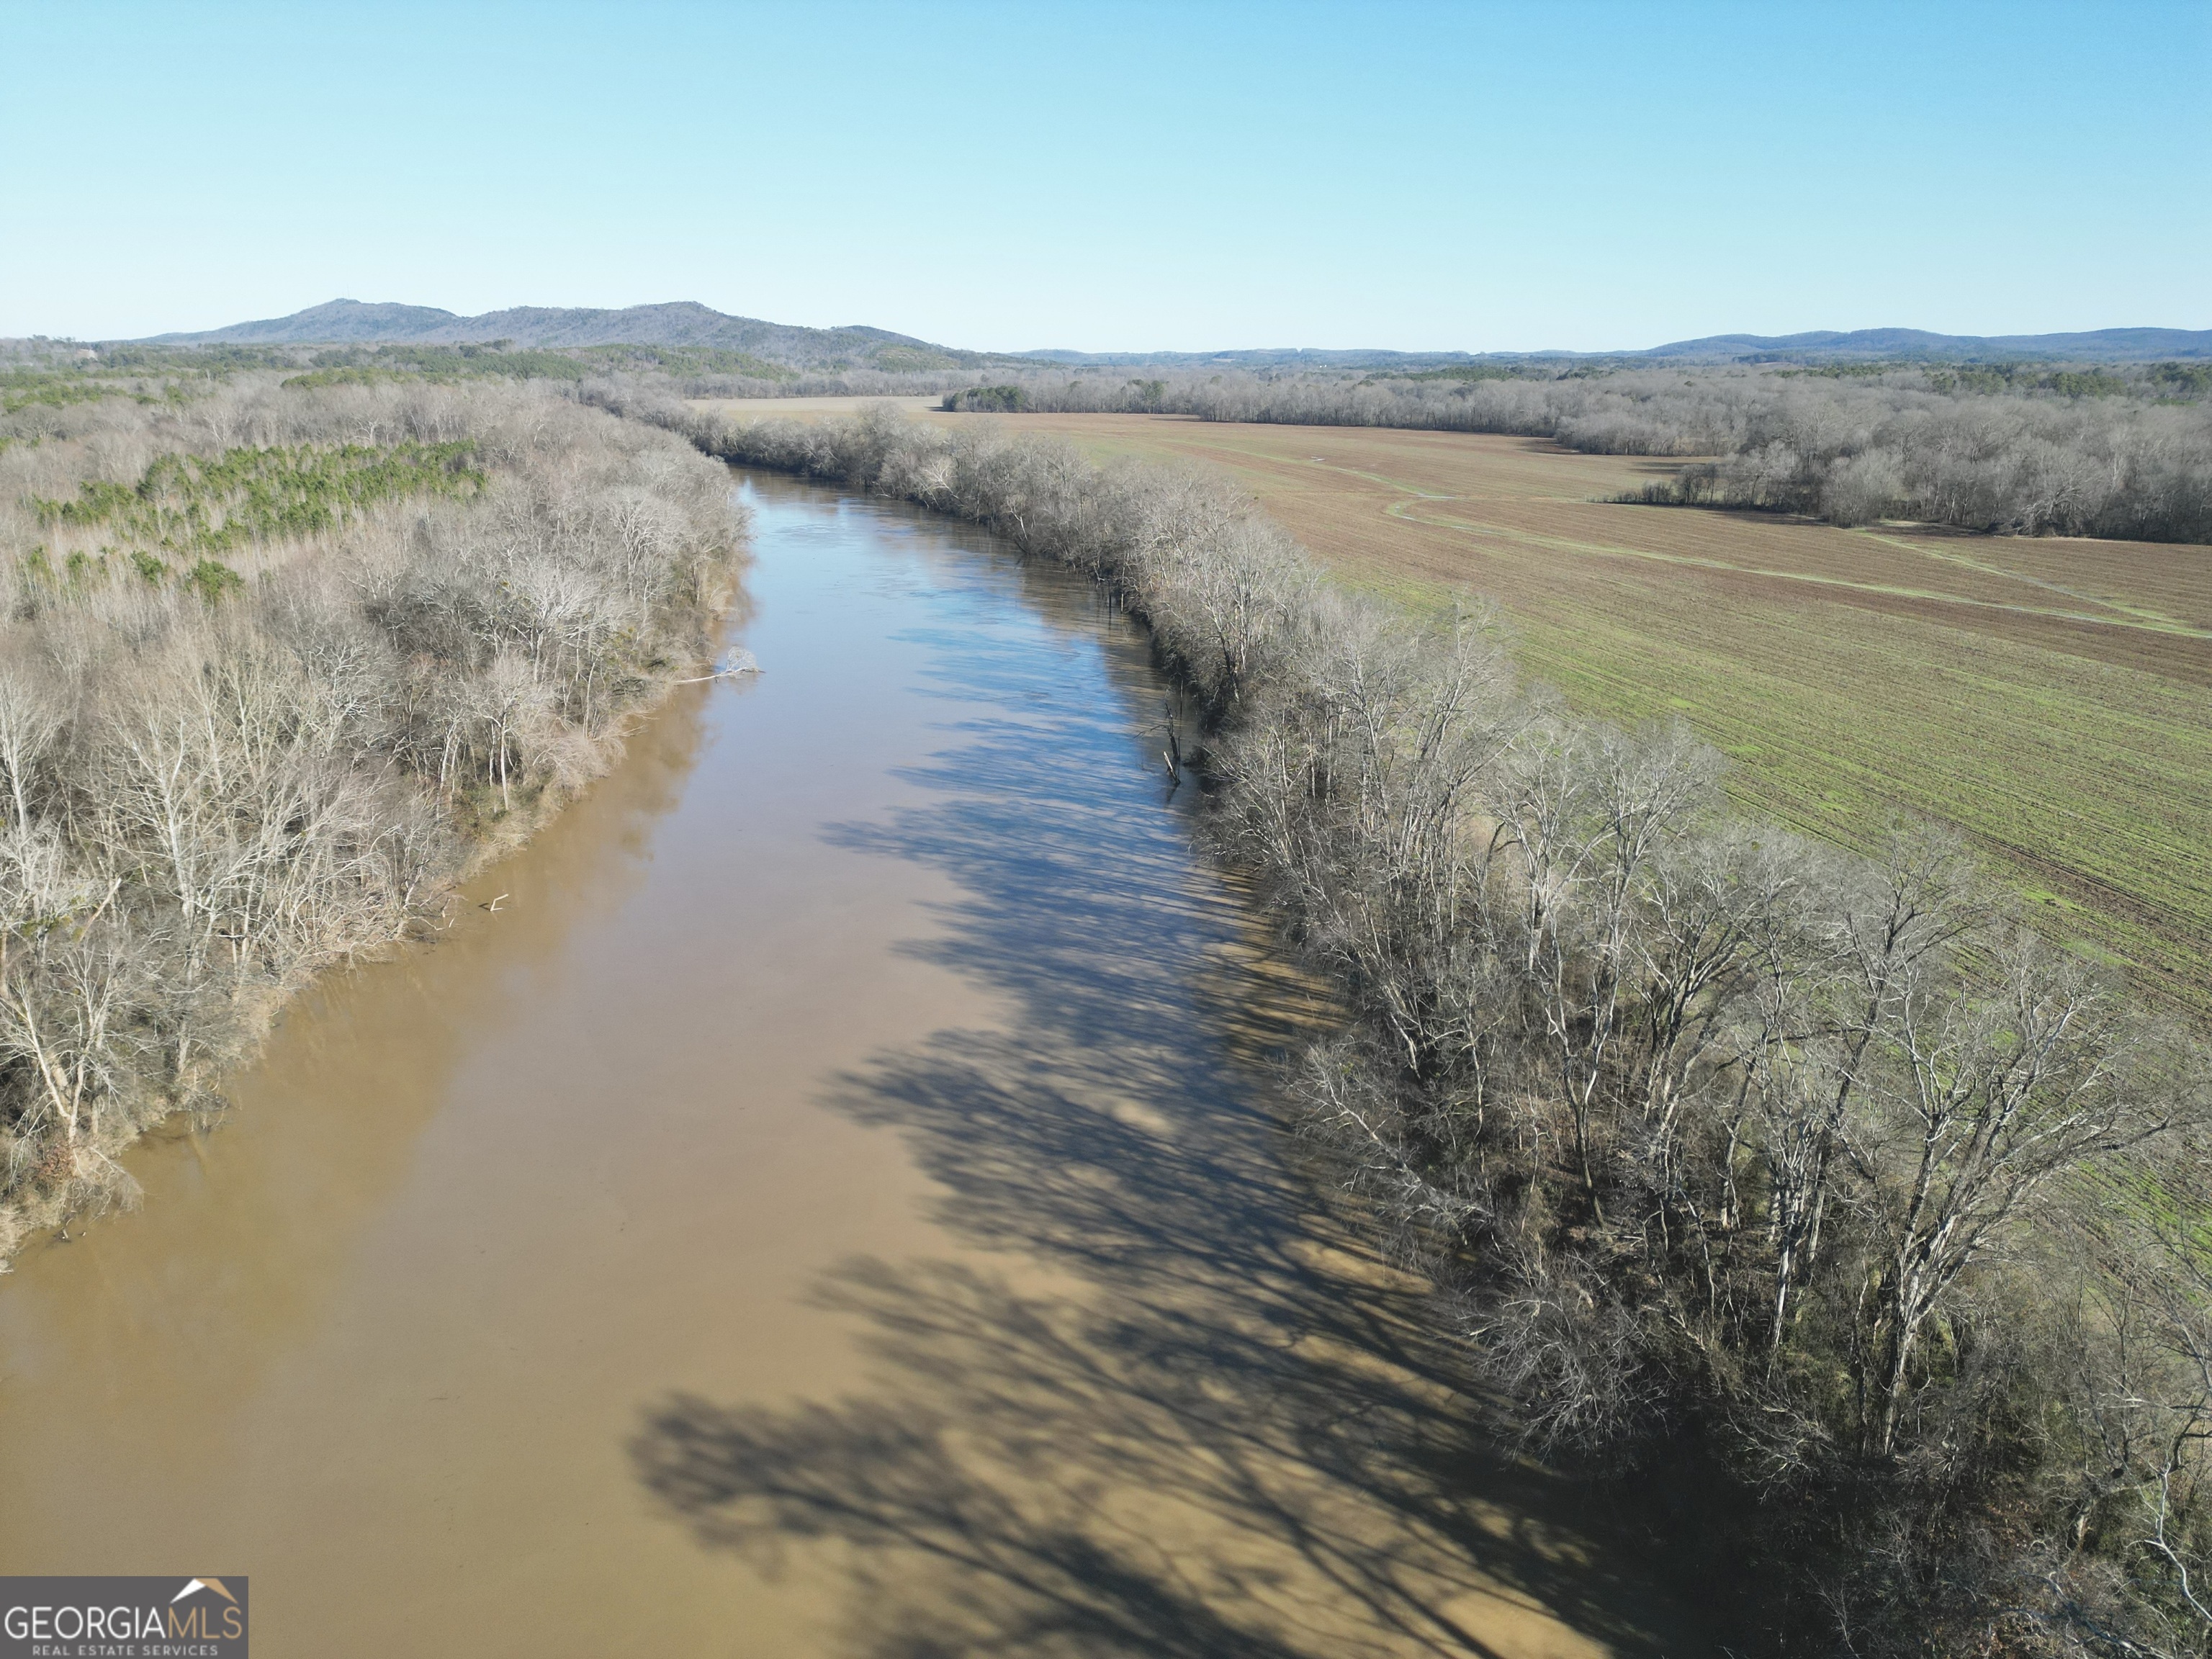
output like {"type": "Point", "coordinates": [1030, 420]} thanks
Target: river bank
{"type": "Point", "coordinates": [833, 1203]}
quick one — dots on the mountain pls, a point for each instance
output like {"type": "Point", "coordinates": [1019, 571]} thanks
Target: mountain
{"type": "Point", "coordinates": [684, 322]}
{"type": "Point", "coordinates": [2108, 345]}
{"type": "Point", "coordinates": [340, 322]}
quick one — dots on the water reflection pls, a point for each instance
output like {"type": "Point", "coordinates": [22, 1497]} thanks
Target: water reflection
{"type": "Point", "coordinates": [1169, 1410]}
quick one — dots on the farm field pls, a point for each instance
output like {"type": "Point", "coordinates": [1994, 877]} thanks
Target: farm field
{"type": "Point", "coordinates": [2051, 698]}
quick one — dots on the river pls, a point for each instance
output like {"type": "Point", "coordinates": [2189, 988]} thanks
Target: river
{"type": "Point", "coordinates": [821, 1198]}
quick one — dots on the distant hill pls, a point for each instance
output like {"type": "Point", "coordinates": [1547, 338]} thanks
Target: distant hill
{"type": "Point", "coordinates": [684, 322]}
{"type": "Point", "coordinates": [2109, 345]}
{"type": "Point", "coordinates": [1823, 345]}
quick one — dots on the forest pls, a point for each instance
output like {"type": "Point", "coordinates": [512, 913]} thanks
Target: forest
{"type": "Point", "coordinates": [53, 374]}
{"type": "Point", "coordinates": [2120, 451]}
{"type": "Point", "coordinates": [1813, 1183]}
{"type": "Point", "coordinates": [278, 662]}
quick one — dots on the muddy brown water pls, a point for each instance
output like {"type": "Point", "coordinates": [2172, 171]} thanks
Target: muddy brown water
{"type": "Point", "coordinates": [833, 1207]}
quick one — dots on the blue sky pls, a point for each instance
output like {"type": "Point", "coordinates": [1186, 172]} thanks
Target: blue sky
{"type": "Point", "coordinates": [1126, 177]}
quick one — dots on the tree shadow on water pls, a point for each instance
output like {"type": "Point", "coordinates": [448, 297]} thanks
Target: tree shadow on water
{"type": "Point", "coordinates": [1160, 1403]}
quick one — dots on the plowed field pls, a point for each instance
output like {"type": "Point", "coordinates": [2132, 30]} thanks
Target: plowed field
{"type": "Point", "coordinates": [2051, 698]}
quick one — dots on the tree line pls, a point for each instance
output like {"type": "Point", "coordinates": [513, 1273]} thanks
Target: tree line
{"type": "Point", "coordinates": [2120, 451]}
{"type": "Point", "coordinates": [1734, 1159]}
{"type": "Point", "coordinates": [644, 384]}
{"type": "Point", "coordinates": [275, 663]}
{"type": "Point", "coordinates": [39, 377]}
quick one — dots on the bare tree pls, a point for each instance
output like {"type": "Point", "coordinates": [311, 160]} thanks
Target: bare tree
{"type": "Point", "coordinates": [32, 715]}
{"type": "Point", "coordinates": [1995, 1096]}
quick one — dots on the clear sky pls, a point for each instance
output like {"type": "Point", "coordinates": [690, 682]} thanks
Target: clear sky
{"type": "Point", "coordinates": [1185, 176]}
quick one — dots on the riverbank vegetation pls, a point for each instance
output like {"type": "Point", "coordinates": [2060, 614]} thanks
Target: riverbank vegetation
{"type": "Point", "coordinates": [1733, 1158]}
{"type": "Point", "coordinates": [2043, 697]}
{"type": "Point", "coordinates": [2117, 450]}
{"type": "Point", "coordinates": [275, 661]}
